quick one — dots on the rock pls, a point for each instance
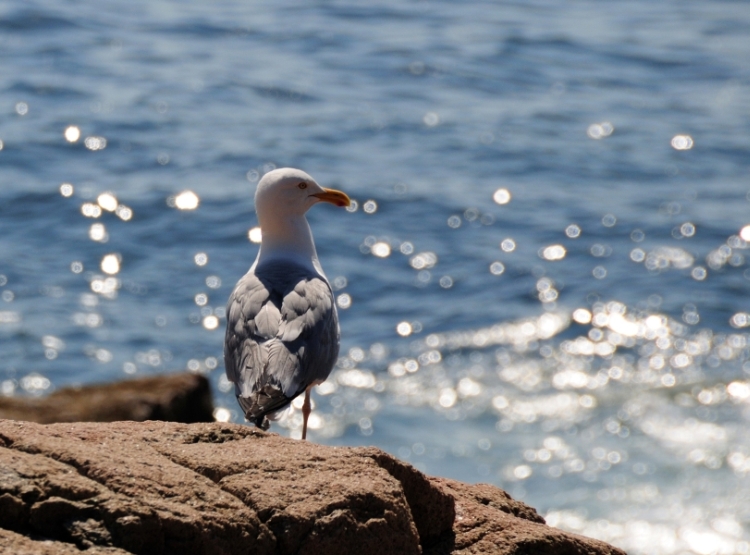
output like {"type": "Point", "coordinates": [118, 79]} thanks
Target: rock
{"type": "Point", "coordinates": [175, 397]}
{"type": "Point", "coordinates": [157, 487]}
{"type": "Point", "coordinates": [17, 544]}
{"type": "Point", "coordinates": [488, 520]}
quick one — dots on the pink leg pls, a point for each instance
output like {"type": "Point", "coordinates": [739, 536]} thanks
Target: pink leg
{"type": "Point", "coordinates": [306, 412]}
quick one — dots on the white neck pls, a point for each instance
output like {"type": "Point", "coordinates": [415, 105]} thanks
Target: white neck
{"type": "Point", "coordinates": [289, 238]}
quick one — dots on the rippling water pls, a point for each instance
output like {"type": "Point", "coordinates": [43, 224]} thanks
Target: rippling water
{"type": "Point", "coordinates": [544, 284]}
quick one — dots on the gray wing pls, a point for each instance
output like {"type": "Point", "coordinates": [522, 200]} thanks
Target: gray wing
{"type": "Point", "coordinates": [282, 336]}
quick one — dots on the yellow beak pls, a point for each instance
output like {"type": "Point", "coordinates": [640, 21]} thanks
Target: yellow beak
{"type": "Point", "coordinates": [334, 197]}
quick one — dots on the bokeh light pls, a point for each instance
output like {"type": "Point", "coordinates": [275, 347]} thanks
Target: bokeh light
{"type": "Point", "coordinates": [501, 196]}
{"type": "Point", "coordinates": [344, 301]}
{"type": "Point", "coordinates": [682, 142]}
{"type": "Point", "coordinates": [72, 134]}
{"type": "Point", "coordinates": [97, 232]}
{"type": "Point", "coordinates": [107, 201]}
{"type": "Point", "coordinates": [91, 210]}
{"type": "Point", "coordinates": [95, 143]}
{"type": "Point", "coordinates": [553, 252]}
{"type": "Point", "coordinates": [600, 130]}
{"type": "Point", "coordinates": [111, 264]}
{"type": "Point", "coordinates": [381, 249]}
{"type": "Point", "coordinates": [186, 200]}
{"type": "Point", "coordinates": [255, 235]}
{"type": "Point", "coordinates": [404, 329]}
{"type": "Point", "coordinates": [508, 245]}
{"type": "Point", "coordinates": [200, 259]}
{"type": "Point", "coordinates": [497, 268]}
{"type": "Point", "coordinates": [431, 119]}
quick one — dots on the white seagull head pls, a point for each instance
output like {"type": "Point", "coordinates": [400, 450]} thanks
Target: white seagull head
{"type": "Point", "coordinates": [289, 191]}
{"type": "Point", "coordinates": [281, 201]}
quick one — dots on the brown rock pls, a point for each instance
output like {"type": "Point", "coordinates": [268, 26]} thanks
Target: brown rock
{"type": "Point", "coordinates": [174, 397]}
{"type": "Point", "coordinates": [489, 521]}
{"type": "Point", "coordinates": [159, 487]}
{"type": "Point", "coordinates": [18, 544]}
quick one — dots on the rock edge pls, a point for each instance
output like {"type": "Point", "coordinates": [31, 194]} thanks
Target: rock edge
{"type": "Point", "coordinates": [161, 488]}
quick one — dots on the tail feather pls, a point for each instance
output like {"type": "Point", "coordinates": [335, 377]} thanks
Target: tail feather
{"type": "Point", "coordinates": [263, 402]}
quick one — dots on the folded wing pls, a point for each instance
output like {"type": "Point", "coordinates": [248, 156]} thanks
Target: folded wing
{"type": "Point", "coordinates": [282, 336]}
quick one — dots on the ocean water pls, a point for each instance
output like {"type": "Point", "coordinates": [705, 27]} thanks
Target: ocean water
{"type": "Point", "coordinates": [544, 283]}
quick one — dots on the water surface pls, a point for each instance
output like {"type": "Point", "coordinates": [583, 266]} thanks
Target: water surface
{"type": "Point", "coordinates": [543, 286]}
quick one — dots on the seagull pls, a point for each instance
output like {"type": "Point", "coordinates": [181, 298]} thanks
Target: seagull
{"type": "Point", "coordinates": [282, 334]}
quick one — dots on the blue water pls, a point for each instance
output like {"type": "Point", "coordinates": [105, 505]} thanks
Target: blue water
{"type": "Point", "coordinates": [597, 366]}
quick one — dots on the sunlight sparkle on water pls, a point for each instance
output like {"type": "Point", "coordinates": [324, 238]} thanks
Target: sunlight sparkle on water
{"type": "Point", "coordinates": [124, 213]}
{"type": "Point", "coordinates": [91, 210]}
{"type": "Point", "coordinates": [740, 320]}
{"type": "Point", "coordinates": [454, 222]}
{"type": "Point", "coordinates": [344, 301]}
{"type": "Point", "coordinates": [404, 329]}
{"type": "Point", "coordinates": [501, 196]}
{"type": "Point", "coordinates": [35, 383]}
{"type": "Point", "coordinates": [687, 229]}
{"type": "Point", "coordinates": [222, 414]}
{"type": "Point", "coordinates": [255, 235]}
{"type": "Point", "coordinates": [200, 259]}
{"type": "Point", "coordinates": [431, 119]}
{"type": "Point", "coordinates": [66, 190]}
{"type": "Point", "coordinates": [72, 134]}
{"type": "Point", "coordinates": [553, 252]}
{"type": "Point", "coordinates": [600, 130]}
{"type": "Point", "coordinates": [356, 378]}
{"type": "Point", "coordinates": [107, 201]}
{"type": "Point", "coordinates": [186, 200]}
{"type": "Point", "coordinates": [682, 142]}
{"type": "Point", "coordinates": [97, 232]}
{"type": "Point", "coordinates": [95, 143]}
{"type": "Point", "coordinates": [111, 264]}
{"type": "Point", "coordinates": [497, 268]}
{"type": "Point", "coordinates": [446, 282]}
{"type": "Point", "coordinates": [582, 316]}
{"type": "Point", "coordinates": [423, 260]}
{"type": "Point", "coordinates": [381, 249]}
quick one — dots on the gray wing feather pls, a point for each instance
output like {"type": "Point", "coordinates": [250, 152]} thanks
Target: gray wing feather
{"type": "Point", "coordinates": [267, 321]}
{"type": "Point", "coordinates": [282, 336]}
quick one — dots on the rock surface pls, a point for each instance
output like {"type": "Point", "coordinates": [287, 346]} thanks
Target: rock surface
{"type": "Point", "coordinates": [157, 487]}
{"type": "Point", "coordinates": [179, 397]}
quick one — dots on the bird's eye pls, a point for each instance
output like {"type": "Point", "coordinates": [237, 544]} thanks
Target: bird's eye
{"type": "Point", "coordinates": [302, 185]}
